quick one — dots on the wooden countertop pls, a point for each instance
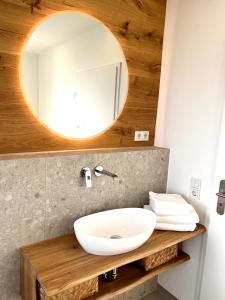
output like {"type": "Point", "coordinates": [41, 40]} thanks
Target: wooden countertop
{"type": "Point", "coordinates": [59, 264]}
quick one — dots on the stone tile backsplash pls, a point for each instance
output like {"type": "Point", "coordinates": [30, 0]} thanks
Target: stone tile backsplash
{"type": "Point", "coordinates": [40, 198]}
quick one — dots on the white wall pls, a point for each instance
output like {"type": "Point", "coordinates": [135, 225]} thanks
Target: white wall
{"type": "Point", "coordinates": [191, 99]}
{"type": "Point", "coordinates": [30, 79]}
{"type": "Point", "coordinates": [46, 81]}
{"type": "Point", "coordinates": [61, 65]}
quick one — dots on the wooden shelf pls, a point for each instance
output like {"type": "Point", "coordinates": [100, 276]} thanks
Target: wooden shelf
{"type": "Point", "coordinates": [130, 276]}
{"type": "Point", "coordinates": [60, 264]}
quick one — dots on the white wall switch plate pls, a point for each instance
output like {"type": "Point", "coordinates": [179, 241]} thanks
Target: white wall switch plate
{"type": "Point", "coordinates": [196, 188]}
{"type": "Point", "coordinates": [141, 136]}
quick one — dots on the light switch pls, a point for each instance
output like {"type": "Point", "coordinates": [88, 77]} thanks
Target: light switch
{"type": "Point", "coordinates": [196, 188]}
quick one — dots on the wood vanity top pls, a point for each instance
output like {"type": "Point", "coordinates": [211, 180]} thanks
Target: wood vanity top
{"type": "Point", "coordinates": [61, 263]}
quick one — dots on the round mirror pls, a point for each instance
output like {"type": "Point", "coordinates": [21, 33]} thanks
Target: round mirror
{"type": "Point", "coordinates": [74, 75]}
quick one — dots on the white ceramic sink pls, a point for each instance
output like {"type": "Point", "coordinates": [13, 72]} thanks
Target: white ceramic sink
{"type": "Point", "coordinates": [115, 231]}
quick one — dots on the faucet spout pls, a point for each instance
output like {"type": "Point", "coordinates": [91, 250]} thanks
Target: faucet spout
{"type": "Point", "coordinates": [99, 171]}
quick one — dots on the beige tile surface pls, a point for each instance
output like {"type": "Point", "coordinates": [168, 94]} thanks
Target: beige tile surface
{"type": "Point", "coordinates": [22, 215]}
{"type": "Point", "coordinates": [159, 294]}
{"type": "Point", "coordinates": [41, 198]}
{"type": "Point", "coordinates": [139, 292]}
{"type": "Point", "coordinates": [154, 296]}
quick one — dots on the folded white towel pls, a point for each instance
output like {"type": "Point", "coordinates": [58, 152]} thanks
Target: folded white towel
{"type": "Point", "coordinates": [169, 201]}
{"type": "Point", "coordinates": [173, 212]}
{"type": "Point", "coordinates": [175, 227]}
{"type": "Point", "coordinates": [190, 218]}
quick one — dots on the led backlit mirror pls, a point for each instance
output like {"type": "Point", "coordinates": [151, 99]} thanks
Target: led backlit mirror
{"type": "Point", "coordinates": [74, 75]}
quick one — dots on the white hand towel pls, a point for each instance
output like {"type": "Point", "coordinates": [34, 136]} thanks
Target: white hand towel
{"type": "Point", "coordinates": [172, 212]}
{"type": "Point", "coordinates": [191, 218]}
{"type": "Point", "coordinates": [175, 227]}
{"type": "Point", "coordinates": [169, 201]}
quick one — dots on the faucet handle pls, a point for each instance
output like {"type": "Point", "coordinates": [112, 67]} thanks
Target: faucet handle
{"type": "Point", "coordinates": [86, 173]}
{"type": "Point", "coordinates": [99, 171]}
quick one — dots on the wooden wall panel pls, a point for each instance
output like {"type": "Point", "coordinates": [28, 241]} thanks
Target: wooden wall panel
{"type": "Point", "coordinates": [138, 26]}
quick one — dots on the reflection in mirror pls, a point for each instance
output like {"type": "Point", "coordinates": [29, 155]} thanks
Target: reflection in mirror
{"type": "Point", "coordinates": [74, 75]}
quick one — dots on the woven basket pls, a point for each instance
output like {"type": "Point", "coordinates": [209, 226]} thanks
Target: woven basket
{"type": "Point", "coordinates": [159, 258]}
{"type": "Point", "coordinates": [80, 291]}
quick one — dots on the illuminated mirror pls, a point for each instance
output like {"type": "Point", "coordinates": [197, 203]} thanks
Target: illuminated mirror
{"type": "Point", "coordinates": [74, 75]}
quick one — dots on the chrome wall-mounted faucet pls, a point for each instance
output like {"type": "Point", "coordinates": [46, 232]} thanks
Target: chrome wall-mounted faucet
{"type": "Point", "coordinates": [99, 171]}
{"type": "Point", "coordinates": [86, 173]}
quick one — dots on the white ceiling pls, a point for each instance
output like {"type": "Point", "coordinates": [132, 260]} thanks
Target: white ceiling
{"type": "Point", "coordinates": [58, 29]}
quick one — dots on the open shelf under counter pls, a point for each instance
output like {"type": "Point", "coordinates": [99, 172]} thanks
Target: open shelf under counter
{"type": "Point", "coordinates": [59, 265]}
{"type": "Point", "coordinates": [131, 276]}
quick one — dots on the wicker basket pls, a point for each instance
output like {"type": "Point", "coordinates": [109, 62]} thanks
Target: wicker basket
{"type": "Point", "coordinates": [159, 258]}
{"type": "Point", "coordinates": [80, 291]}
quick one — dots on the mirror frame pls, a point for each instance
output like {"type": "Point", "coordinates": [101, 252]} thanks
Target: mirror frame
{"type": "Point", "coordinates": [139, 31]}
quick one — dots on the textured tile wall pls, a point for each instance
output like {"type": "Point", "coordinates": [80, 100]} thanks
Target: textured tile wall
{"type": "Point", "coordinates": [41, 197]}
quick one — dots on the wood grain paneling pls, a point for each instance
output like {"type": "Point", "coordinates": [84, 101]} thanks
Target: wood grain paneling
{"type": "Point", "coordinates": [138, 26]}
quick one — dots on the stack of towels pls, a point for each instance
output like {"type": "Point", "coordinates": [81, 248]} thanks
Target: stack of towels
{"type": "Point", "coordinates": [172, 212]}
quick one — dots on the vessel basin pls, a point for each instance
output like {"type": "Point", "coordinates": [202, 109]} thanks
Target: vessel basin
{"type": "Point", "coordinates": [114, 231]}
